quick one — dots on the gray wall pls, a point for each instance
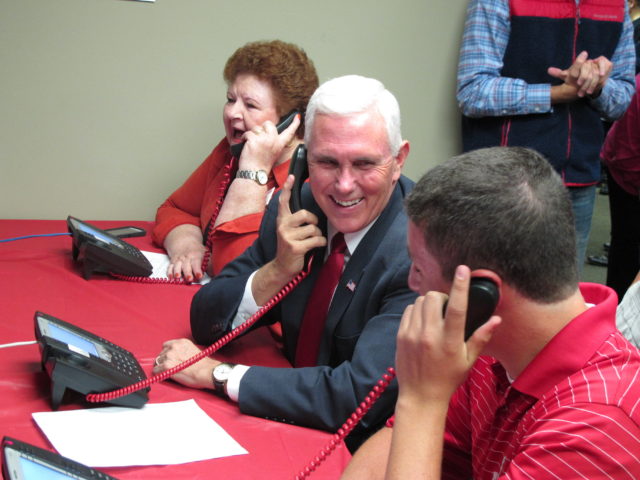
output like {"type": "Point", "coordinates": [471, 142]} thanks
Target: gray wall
{"type": "Point", "coordinates": [108, 105]}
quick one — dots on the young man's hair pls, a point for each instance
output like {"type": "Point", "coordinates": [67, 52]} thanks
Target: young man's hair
{"type": "Point", "coordinates": [504, 209]}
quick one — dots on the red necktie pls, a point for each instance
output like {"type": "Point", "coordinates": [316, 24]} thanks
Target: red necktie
{"type": "Point", "coordinates": [315, 313]}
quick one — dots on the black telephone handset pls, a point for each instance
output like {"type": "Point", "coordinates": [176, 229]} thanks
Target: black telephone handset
{"type": "Point", "coordinates": [83, 362]}
{"type": "Point", "coordinates": [300, 170]}
{"type": "Point", "coordinates": [283, 123]}
{"type": "Point", "coordinates": [483, 300]}
{"type": "Point", "coordinates": [103, 251]}
{"type": "Point", "coordinates": [23, 461]}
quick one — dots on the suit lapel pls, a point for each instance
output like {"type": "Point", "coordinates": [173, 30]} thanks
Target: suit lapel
{"type": "Point", "coordinates": [356, 269]}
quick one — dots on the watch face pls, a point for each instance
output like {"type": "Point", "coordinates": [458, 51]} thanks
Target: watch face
{"type": "Point", "coordinates": [222, 371]}
{"type": "Point", "coordinates": [262, 177]}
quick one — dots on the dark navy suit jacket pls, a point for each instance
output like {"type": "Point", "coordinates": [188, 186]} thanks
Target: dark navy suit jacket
{"type": "Point", "coordinates": [359, 339]}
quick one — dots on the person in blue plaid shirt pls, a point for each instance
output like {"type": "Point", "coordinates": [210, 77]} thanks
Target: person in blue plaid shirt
{"type": "Point", "coordinates": [543, 74]}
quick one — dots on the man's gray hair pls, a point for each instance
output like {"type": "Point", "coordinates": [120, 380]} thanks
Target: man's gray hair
{"type": "Point", "coordinates": [352, 94]}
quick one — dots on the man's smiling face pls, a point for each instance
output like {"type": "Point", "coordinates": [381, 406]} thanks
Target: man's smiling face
{"type": "Point", "coordinates": [351, 169]}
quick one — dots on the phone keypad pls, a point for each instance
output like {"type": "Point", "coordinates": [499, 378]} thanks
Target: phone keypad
{"type": "Point", "coordinates": [127, 365]}
{"type": "Point", "coordinates": [131, 250]}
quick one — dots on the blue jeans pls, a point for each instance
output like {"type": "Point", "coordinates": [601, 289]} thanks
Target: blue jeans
{"type": "Point", "coordinates": [582, 201]}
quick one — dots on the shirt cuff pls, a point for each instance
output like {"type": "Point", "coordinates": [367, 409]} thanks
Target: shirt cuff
{"type": "Point", "coordinates": [538, 98]}
{"type": "Point", "coordinates": [233, 382]}
{"type": "Point", "coordinates": [247, 306]}
{"type": "Point", "coordinates": [598, 102]}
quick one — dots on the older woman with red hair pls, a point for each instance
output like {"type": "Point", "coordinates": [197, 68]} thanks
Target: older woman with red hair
{"type": "Point", "coordinates": [216, 213]}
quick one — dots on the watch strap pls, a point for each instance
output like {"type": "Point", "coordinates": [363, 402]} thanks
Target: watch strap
{"type": "Point", "coordinates": [253, 175]}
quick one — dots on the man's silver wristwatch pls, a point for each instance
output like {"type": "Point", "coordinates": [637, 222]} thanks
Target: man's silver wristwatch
{"type": "Point", "coordinates": [220, 376]}
{"type": "Point", "coordinates": [258, 176]}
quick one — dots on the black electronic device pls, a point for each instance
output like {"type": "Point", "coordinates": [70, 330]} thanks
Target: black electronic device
{"type": "Point", "coordinates": [23, 461]}
{"type": "Point", "coordinates": [100, 251]}
{"type": "Point", "coordinates": [83, 362]}
{"type": "Point", "coordinates": [299, 168]}
{"type": "Point", "coordinates": [126, 232]}
{"type": "Point", "coordinates": [283, 123]}
{"type": "Point", "coordinates": [483, 300]}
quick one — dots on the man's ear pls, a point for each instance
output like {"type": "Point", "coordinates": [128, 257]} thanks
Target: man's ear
{"type": "Point", "coordinates": [399, 159]}
{"type": "Point", "coordinates": [491, 275]}
{"type": "Point", "coordinates": [403, 153]}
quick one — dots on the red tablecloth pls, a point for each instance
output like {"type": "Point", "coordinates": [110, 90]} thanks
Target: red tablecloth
{"type": "Point", "coordinates": [39, 274]}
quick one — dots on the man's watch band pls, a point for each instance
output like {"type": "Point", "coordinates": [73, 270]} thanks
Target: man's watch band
{"type": "Point", "coordinates": [220, 376]}
{"type": "Point", "coordinates": [258, 176]}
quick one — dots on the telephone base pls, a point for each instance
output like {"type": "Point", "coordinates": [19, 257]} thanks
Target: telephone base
{"type": "Point", "coordinates": [66, 375]}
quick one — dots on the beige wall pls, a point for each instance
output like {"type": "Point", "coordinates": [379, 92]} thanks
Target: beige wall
{"type": "Point", "coordinates": [106, 106]}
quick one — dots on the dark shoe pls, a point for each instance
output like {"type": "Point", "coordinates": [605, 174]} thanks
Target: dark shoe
{"type": "Point", "coordinates": [598, 260]}
{"type": "Point", "coordinates": [606, 246]}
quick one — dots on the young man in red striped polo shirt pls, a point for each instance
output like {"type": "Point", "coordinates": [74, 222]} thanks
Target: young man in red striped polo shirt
{"type": "Point", "coordinates": [556, 392]}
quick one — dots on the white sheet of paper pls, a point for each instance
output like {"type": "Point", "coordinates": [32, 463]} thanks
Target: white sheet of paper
{"type": "Point", "coordinates": [157, 434]}
{"type": "Point", "coordinates": [160, 262]}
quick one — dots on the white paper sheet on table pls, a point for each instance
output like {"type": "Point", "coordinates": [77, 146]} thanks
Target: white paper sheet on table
{"type": "Point", "coordinates": [157, 434]}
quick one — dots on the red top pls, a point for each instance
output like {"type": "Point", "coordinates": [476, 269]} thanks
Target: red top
{"type": "Point", "coordinates": [621, 149]}
{"type": "Point", "coordinates": [574, 412]}
{"type": "Point", "coordinates": [195, 201]}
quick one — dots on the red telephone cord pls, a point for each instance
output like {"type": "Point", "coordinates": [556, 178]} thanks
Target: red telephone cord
{"type": "Point", "coordinates": [106, 396]}
{"type": "Point", "coordinates": [349, 425]}
{"type": "Point", "coordinates": [338, 437]}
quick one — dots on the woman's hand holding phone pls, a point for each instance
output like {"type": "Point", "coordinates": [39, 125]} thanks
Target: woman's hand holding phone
{"type": "Point", "coordinates": [266, 145]}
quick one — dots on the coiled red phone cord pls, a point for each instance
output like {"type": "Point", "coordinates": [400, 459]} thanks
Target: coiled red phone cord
{"type": "Point", "coordinates": [224, 185]}
{"type": "Point", "coordinates": [338, 437]}
{"type": "Point", "coordinates": [350, 424]}
{"type": "Point", "coordinates": [106, 396]}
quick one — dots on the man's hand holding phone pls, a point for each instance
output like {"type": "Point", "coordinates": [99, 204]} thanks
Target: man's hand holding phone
{"type": "Point", "coordinates": [432, 358]}
{"type": "Point", "coordinates": [297, 233]}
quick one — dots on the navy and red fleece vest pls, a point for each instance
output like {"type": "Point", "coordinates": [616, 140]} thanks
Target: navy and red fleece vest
{"type": "Point", "coordinates": [546, 33]}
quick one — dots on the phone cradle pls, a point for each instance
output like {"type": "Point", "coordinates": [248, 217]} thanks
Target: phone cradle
{"type": "Point", "coordinates": [101, 252]}
{"type": "Point", "coordinates": [82, 362]}
{"type": "Point", "coordinates": [70, 373]}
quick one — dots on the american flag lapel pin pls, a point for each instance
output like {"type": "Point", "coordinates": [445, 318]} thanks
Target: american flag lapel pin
{"type": "Point", "coordinates": [351, 285]}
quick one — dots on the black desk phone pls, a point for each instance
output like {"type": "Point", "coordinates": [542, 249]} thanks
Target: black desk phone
{"type": "Point", "coordinates": [23, 461]}
{"type": "Point", "coordinates": [283, 123]}
{"type": "Point", "coordinates": [83, 362]}
{"type": "Point", "coordinates": [103, 250]}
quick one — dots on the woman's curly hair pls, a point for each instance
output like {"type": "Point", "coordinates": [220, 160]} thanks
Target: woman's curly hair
{"type": "Point", "coordinates": [285, 66]}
